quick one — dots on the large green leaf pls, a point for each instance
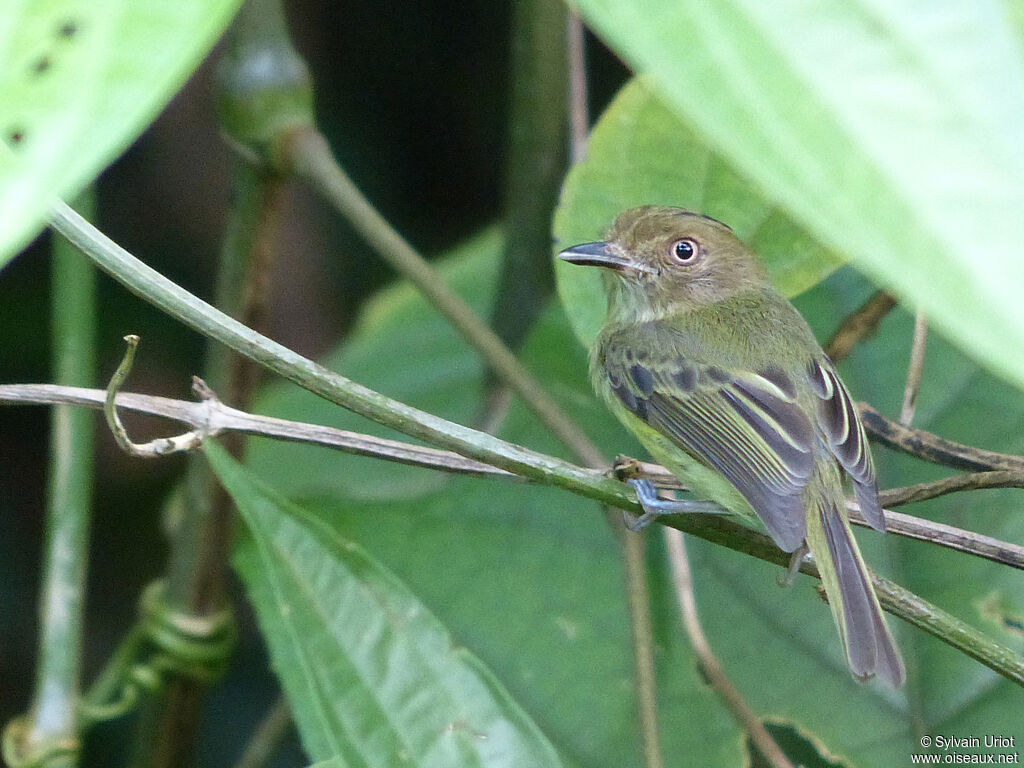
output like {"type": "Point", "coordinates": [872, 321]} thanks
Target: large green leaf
{"type": "Point", "coordinates": [373, 677]}
{"type": "Point", "coordinates": [641, 153]}
{"type": "Point", "coordinates": [80, 81]}
{"type": "Point", "coordinates": [890, 130]}
{"type": "Point", "coordinates": [529, 577]}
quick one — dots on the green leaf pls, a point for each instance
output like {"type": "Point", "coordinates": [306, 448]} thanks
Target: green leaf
{"type": "Point", "coordinates": [641, 153]}
{"type": "Point", "coordinates": [373, 677]}
{"type": "Point", "coordinates": [889, 130]}
{"type": "Point", "coordinates": [80, 82]}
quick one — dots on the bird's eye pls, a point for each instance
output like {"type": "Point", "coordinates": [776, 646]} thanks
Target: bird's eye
{"type": "Point", "coordinates": [684, 251]}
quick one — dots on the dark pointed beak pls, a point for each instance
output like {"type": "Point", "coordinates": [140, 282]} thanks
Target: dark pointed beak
{"type": "Point", "coordinates": [596, 255]}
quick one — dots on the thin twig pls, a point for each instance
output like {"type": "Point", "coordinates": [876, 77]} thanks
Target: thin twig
{"type": "Point", "coordinates": [896, 523]}
{"type": "Point", "coordinates": [914, 368]}
{"type": "Point", "coordinates": [716, 676]}
{"type": "Point", "coordinates": [951, 630]}
{"type": "Point", "coordinates": [214, 417]}
{"type": "Point", "coordinates": [947, 536]}
{"type": "Point", "coordinates": [931, 447]}
{"type": "Point", "coordinates": [579, 119]}
{"type": "Point", "coordinates": [895, 497]}
{"type": "Point", "coordinates": [154, 449]}
{"type": "Point", "coordinates": [314, 162]}
{"type": "Point", "coordinates": [862, 322]}
{"type": "Point", "coordinates": [641, 627]}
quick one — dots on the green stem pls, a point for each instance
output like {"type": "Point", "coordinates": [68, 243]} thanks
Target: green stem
{"type": "Point", "coordinates": [209, 321]}
{"type": "Point", "coordinates": [53, 715]}
{"type": "Point", "coordinates": [313, 161]}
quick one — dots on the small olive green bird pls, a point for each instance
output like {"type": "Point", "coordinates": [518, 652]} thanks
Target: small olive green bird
{"type": "Point", "coordinates": [724, 383]}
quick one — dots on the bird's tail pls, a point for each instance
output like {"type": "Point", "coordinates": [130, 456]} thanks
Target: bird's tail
{"type": "Point", "coordinates": [870, 648]}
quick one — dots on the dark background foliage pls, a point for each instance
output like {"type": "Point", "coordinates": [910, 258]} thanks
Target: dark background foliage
{"type": "Point", "coordinates": [413, 98]}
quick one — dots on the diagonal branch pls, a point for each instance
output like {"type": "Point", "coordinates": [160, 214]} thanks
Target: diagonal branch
{"type": "Point", "coordinates": [862, 322]}
{"type": "Point", "coordinates": [212, 417]}
{"type": "Point", "coordinates": [930, 447]}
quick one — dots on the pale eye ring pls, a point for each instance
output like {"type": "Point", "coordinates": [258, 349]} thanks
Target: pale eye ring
{"type": "Point", "coordinates": [684, 251]}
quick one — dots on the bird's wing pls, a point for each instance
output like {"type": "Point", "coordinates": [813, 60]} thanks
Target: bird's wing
{"type": "Point", "coordinates": [747, 425]}
{"type": "Point", "coordinates": [839, 421]}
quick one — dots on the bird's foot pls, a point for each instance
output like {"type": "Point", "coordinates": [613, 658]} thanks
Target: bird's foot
{"type": "Point", "coordinates": [654, 507]}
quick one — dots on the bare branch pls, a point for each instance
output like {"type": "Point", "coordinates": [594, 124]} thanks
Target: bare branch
{"type": "Point", "coordinates": [215, 417]}
{"type": "Point", "coordinates": [930, 447]}
{"type": "Point", "coordinates": [894, 497]}
{"type": "Point", "coordinates": [968, 542]}
{"type": "Point", "coordinates": [947, 536]}
{"type": "Point", "coordinates": [914, 368]}
{"type": "Point", "coordinates": [579, 121]}
{"type": "Point", "coordinates": [746, 717]}
{"type": "Point", "coordinates": [862, 322]}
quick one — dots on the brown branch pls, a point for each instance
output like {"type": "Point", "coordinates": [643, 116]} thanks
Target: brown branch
{"type": "Point", "coordinates": [895, 497]}
{"type": "Point", "coordinates": [683, 582]}
{"type": "Point", "coordinates": [947, 536]}
{"type": "Point", "coordinates": [931, 447]}
{"type": "Point", "coordinates": [915, 368]}
{"type": "Point", "coordinates": [862, 322]}
{"type": "Point", "coordinates": [212, 417]}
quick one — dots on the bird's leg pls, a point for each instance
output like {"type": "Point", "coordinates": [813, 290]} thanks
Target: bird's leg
{"type": "Point", "coordinates": [800, 554]}
{"type": "Point", "coordinates": [654, 507]}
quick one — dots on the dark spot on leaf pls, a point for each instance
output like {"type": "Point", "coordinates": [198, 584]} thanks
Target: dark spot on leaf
{"type": "Point", "coordinates": [15, 136]}
{"type": "Point", "coordinates": [42, 65]}
{"type": "Point", "coordinates": [68, 29]}
{"type": "Point", "coordinates": [996, 608]}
